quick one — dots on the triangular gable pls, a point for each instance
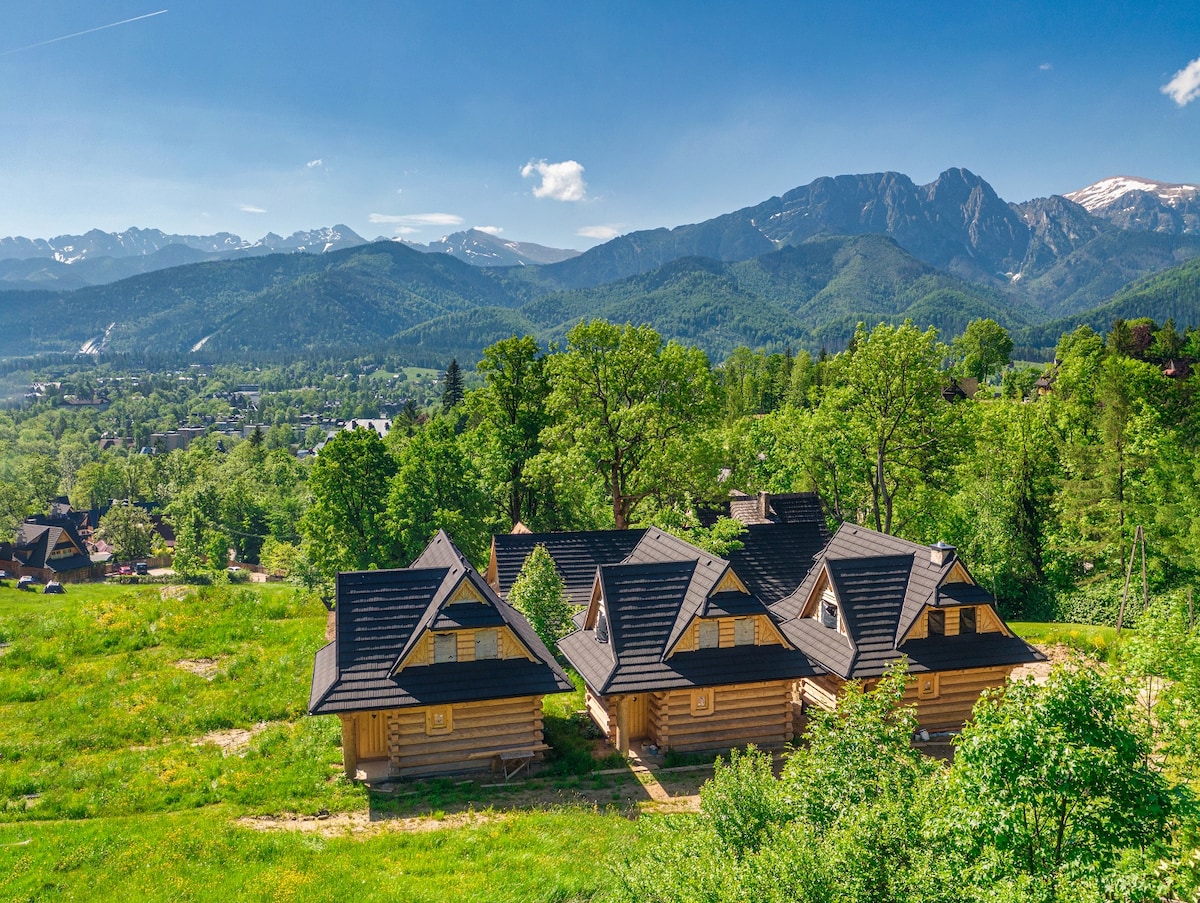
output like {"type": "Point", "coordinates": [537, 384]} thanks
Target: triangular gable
{"type": "Point", "coordinates": [464, 588]}
{"type": "Point", "coordinates": [729, 583]}
{"type": "Point", "coordinates": [818, 590]}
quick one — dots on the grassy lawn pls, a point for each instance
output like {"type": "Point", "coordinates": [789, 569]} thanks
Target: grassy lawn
{"type": "Point", "coordinates": [141, 723]}
{"type": "Point", "coordinates": [1098, 641]}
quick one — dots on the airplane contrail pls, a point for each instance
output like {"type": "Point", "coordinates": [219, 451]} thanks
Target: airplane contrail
{"type": "Point", "coordinates": [79, 33]}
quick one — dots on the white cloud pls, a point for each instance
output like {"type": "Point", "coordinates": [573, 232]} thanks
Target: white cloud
{"type": "Point", "coordinates": [490, 230]}
{"type": "Point", "coordinates": [313, 164]}
{"type": "Point", "coordinates": [560, 181]}
{"type": "Point", "coordinates": [405, 230]}
{"type": "Point", "coordinates": [246, 208]}
{"type": "Point", "coordinates": [417, 219]}
{"type": "Point", "coordinates": [1185, 86]}
{"type": "Point", "coordinates": [1045, 67]}
{"type": "Point", "coordinates": [604, 233]}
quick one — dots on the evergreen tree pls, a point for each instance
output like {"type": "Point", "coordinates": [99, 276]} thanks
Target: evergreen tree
{"type": "Point", "coordinates": [452, 385]}
{"type": "Point", "coordinates": [540, 595]}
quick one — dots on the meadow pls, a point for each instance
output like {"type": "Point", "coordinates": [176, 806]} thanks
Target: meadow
{"type": "Point", "coordinates": [151, 732]}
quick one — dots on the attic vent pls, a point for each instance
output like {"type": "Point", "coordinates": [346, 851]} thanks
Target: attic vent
{"type": "Point", "coordinates": [602, 629]}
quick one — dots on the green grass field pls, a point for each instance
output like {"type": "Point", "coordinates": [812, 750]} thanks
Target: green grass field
{"type": "Point", "coordinates": [140, 724]}
{"type": "Point", "coordinates": [1098, 641]}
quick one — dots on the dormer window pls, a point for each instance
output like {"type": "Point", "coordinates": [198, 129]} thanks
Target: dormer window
{"type": "Point", "coordinates": [937, 622]}
{"type": "Point", "coordinates": [601, 628]}
{"type": "Point", "coordinates": [487, 644]}
{"type": "Point", "coordinates": [710, 635]}
{"type": "Point", "coordinates": [445, 648]}
{"type": "Point", "coordinates": [966, 619]}
{"type": "Point", "coordinates": [829, 614]}
{"type": "Point", "coordinates": [743, 632]}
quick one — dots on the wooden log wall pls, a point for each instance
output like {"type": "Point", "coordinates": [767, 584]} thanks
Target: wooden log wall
{"type": "Point", "coordinates": [958, 692]}
{"type": "Point", "coordinates": [602, 710]}
{"type": "Point", "coordinates": [479, 730]}
{"type": "Point", "coordinates": [759, 713]}
{"type": "Point", "coordinates": [948, 710]}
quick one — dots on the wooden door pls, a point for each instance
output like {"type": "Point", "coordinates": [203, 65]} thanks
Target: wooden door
{"type": "Point", "coordinates": [372, 735]}
{"type": "Point", "coordinates": [639, 715]}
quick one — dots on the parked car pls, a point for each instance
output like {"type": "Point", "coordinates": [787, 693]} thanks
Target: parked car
{"type": "Point", "coordinates": [141, 568]}
{"type": "Point", "coordinates": [124, 570]}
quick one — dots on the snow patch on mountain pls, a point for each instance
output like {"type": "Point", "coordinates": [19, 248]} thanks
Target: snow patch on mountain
{"type": "Point", "coordinates": [1107, 192]}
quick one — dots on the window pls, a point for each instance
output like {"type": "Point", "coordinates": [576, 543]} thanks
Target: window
{"type": "Point", "coordinates": [710, 634]}
{"type": "Point", "coordinates": [445, 648]}
{"type": "Point", "coordinates": [487, 644]}
{"type": "Point", "coordinates": [828, 612]}
{"type": "Point", "coordinates": [704, 702]}
{"type": "Point", "coordinates": [439, 719]}
{"type": "Point", "coordinates": [743, 632]}
{"type": "Point", "coordinates": [966, 620]}
{"type": "Point", "coordinates": [937, 622]}
{"type": "Point", "coordinates": [927, 686]}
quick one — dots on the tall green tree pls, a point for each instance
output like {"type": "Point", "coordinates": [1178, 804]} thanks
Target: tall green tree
{"type": "Point", "coordinates": [634, 411]}
{"type": "Point", "coordinates": [510, 410]}
{"type": "Point", "coordinates": [437, 487]}
{"type": "Point", "coordinates": [347, 523]}
{"type": "Point", "coordinates": [127, 528]}
{"type": "Point", "coordinates": [452, 385]}
{"type": "Point", "coordinates": [887, 404]}
{"type": "Point", "coordinates": [983, 349]}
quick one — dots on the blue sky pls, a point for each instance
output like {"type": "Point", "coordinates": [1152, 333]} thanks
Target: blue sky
{"type": "Point", "coordinates": [563, 123]}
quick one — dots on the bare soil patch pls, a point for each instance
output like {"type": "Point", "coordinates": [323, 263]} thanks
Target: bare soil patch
{"type": "Point", "coordinates": [232, 742]}
{"type": "Point", "coordinates": [1058, 654]}
{"type": "Point", "coordinates": [365, 824]}
{"type": "Point", "coordinates": [208, 668]}
{"type": "Point", "coordinates": [176, 592]}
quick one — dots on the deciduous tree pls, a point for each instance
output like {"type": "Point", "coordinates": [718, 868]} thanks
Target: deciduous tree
{"type": "Point", "coordinates": [634, 411]}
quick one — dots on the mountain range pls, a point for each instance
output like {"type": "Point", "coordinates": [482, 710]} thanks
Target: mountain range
{"type": "Point", "coordinates": [799, 269]}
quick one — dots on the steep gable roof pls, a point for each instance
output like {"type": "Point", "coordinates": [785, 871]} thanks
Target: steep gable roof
{"type": "Point", "coordinates": [882, 584]}
{"type": "Point", "coordinates": [576, 556]}
{"type": "Point", "coordinates": [775, 558]}
{"type": "Point", "coordinates": [648, 601]}
{"type": "Point", "coordinates": [39, 536]}
{"type": "Point", "coordinates": [381, 614]}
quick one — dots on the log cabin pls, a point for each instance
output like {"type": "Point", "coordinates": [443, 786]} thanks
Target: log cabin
{"type": "Point", "coordinates": [872, 599]}
{"type": "Point", "coordinates": [676, 651]}
{"type": "Point", "coordinates": [430, 672]}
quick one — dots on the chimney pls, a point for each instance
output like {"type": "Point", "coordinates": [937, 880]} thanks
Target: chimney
{"type": "Point", "coordinates": [941, 553]}
{"type": "Point", "coordinates": [764, 505]}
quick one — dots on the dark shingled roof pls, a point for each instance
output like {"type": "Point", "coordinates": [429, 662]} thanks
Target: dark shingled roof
{"type": "Point", "coordinates": [650, 599]}
{"type": "Point", "coordinates": [381, 613]}
{"type": "Point", "coordinates": [37, 539]}
{"type": "Point", "coordinates": [775, 558]}
{"type": "Point", "coordinates": [882, 584]}
{"type": "Point", "coordinates": [576, 556]}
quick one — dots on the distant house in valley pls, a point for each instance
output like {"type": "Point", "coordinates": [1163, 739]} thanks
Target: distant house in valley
{"type": "Point", "coordinates": [431, 672]}
{"type": "Point", "coordinates": [49, 548]}
{"type": "Point", "coordinates": [676, 650]}
{"type": "Point", "coordinates": [872, 599]}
